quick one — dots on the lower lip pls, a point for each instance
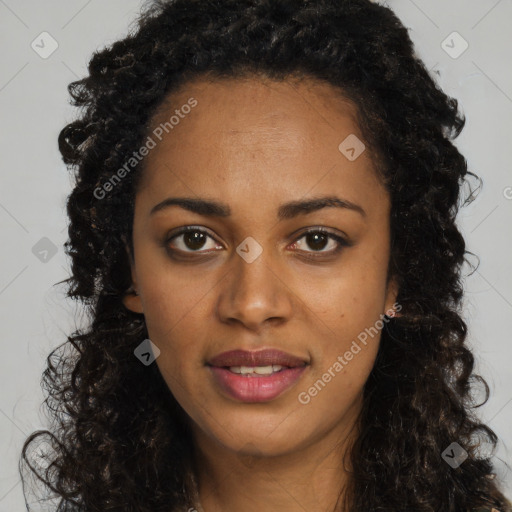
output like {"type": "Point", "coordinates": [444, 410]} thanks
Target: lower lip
{"type": "Point", "coordinates": [254, 388]}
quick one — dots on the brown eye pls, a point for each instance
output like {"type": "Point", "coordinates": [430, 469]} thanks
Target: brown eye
{"type": "Point", "coordinates": [194, 239]}
{"type": "Point", "coordinates": [191, 240]}
{"type": "Point", "coordinates": [318, 239]}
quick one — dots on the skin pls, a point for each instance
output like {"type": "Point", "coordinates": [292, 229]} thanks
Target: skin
{"type": "Point", "coordinates": [255, 144]}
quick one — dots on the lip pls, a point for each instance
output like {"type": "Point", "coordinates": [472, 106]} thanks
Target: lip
{"type": "Point", "coordinates": [259, 388]}
{"type": "Point", "coordinates": [264, 357]}
{"type": "Point", "coordinates": [256, 388]}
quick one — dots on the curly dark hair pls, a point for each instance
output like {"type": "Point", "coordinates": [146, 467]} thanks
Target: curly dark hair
{"type": "Point", "coordinates": [116, 445]}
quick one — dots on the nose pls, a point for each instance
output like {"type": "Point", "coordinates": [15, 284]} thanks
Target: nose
{"type": "Point", "coordinates": [254, 294]}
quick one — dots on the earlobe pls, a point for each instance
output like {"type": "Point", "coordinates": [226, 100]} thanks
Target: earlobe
{"type": "Point", "coordinates": [392, 306]}
{"type": "Point", "coordinates": [131, 299]}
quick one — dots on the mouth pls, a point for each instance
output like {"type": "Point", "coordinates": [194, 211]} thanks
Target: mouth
{"type": "Point", "coordinates": [257, 371]}
{"type": "Point", "coordinates": [256, 376]}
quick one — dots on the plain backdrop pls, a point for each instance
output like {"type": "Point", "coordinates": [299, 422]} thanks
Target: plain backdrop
{"type": "Point", "coordinates": [472, 65]}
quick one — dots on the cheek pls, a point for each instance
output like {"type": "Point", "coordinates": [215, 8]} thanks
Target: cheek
{"type": "Point", "coordinates": [343, 352]}
{"type": "Point", "coordinates": [346, 311]}
{"type": "Point", "coordinates": [169, 295]}
{"type": "Point", "coordinates": [174, 309]}
{"type": "Point", "coordinates": [352, 296]}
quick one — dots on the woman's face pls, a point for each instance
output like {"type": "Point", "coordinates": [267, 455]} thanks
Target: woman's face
{"type": "Point", "coordinates": [247, 276]}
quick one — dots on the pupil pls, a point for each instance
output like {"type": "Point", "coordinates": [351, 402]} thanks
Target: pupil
{"type": "Point", "coordinates": [315, 238]}
{"type": "Point", "coordinates": [195, 238]}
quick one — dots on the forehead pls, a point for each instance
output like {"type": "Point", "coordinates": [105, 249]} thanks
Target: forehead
{"type": "Point", "coordinates": [249, 135]}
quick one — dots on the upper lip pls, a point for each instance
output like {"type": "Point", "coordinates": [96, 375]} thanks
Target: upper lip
{"type": "Point", "coordinates": [265, 357]}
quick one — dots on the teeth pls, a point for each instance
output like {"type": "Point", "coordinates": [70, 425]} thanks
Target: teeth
{"type": "Point", "coordinates": [259, 370]}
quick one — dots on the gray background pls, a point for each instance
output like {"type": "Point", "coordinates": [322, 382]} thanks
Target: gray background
{"type": "Point", "coordinates": [34, 184]}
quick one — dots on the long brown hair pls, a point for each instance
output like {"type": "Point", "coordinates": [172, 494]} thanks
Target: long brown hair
{"type": "Point", "coordinates": [119, 440]}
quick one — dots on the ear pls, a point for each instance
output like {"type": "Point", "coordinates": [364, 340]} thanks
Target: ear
{"type": "Point", "coordinates": [131, 298]}
{"type": "Point", "coordinates": [392, 306]}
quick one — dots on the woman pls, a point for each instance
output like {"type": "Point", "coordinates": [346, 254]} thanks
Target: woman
{"type": "Point", "coordinates": [263, 230]}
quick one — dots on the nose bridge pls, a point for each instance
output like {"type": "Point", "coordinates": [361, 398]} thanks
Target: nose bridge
{"type": "Point", "coordinates": [253, 291]}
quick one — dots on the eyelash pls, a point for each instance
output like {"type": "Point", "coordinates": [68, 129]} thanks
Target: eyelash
{"type": "Point", "coordinates": [342, 242]}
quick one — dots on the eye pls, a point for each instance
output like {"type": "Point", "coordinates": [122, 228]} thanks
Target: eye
{"type": "Point", "coordinates": [190, 239]}
{"type": "Point", "coordinates": [318, 239]}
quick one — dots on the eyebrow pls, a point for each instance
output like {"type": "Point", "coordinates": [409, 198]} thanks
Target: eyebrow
{"type": "Point", "coordinates": [288, 210]}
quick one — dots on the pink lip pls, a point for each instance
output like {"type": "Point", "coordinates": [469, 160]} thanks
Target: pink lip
{"type": "Point", "coordinates": [256, 388]}
{"type": "Point", "coordinates": [262, 357]}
